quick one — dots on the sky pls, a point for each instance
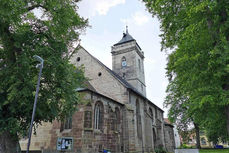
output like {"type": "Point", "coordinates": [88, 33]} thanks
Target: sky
{"type": "Point", "coordinates": [108, 20]}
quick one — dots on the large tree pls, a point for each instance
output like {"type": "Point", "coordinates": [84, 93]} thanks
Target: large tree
{"type": "Point", "coordinates": [47, 28]}
{"type": "Point", "coordinates": [198, 33]}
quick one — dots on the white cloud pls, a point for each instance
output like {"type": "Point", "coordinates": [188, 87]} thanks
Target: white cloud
{"type": "Point", "coordinates": [90, 8]}
{"type": "Point", "coordinates": [103, 6]}
{"type": "Point", "coordinates": [138, 18]}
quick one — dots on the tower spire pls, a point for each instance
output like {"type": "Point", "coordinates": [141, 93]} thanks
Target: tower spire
{"type": "Point", "coordinates": [126, 29]}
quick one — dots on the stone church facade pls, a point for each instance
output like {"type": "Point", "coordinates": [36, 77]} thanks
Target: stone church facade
{"type": "Point", "coordinates": [114, 114]}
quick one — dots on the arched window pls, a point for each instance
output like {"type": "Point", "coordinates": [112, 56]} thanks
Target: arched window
{"type": "Point", "coordinates": [138, 116]}
{"type": "Point", "coordinates": [124, 61]}
{"type": "Point", "coordinates": [98, 117]}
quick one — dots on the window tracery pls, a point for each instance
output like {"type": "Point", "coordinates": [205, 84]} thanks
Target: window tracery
{"type": "Point", "coordinates": [98, 116]}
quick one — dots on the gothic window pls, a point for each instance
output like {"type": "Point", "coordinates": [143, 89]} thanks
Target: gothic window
{"type": "Point", "coordinates": [151, 114]}
{"type": "Point", "coordinates": [138, 116]}
{"type": "Point", "coordinates": [123, 62]}
{"type": "Point", "coordinates": [66, 123]}
{"type": "Point", "coordinates": [98, 117]}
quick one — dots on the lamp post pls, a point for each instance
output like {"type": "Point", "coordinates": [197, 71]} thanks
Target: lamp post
{"type": "Point", "coordinates": [38, 58]}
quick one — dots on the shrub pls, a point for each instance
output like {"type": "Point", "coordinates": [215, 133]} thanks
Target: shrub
{"type": "Point", "coordinates": [160, 150]}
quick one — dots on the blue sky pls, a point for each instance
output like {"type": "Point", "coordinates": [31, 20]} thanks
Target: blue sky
{"type": "Point", "coordinates": [108, 19]}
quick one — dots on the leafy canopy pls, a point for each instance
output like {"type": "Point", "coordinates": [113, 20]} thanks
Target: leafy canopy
{"type": "Point", "coordinates": [198, 67]}
{"type": "Point", "coordinates": [47, 28]}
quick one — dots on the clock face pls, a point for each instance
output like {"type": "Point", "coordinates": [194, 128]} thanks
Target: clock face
{"type": "Point", "coordinates": [123, 63]}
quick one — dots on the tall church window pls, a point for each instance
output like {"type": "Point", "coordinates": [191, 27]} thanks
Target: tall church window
{"type": "Point", "coordinates": [124, 62]}
{"type": "Point", "coordinates": [151, 114]}
{"type": "Point", "coordinates": [138, 116]}
{"type": "Point", "coordinates": [98, 117]}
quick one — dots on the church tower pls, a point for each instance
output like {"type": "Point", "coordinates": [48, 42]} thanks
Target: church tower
{"type": "Point", "coordinates": [128, 62]}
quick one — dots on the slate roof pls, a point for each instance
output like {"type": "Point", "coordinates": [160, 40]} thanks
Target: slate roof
{"type": "Point", "coordinates": [126, 38]}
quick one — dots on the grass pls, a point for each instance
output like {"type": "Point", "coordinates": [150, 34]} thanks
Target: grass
{"type": "Point", "coordinates": [214, 151]}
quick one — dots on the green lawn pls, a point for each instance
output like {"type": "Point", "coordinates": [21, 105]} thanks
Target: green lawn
{"type": "Point", "coordinates": [214, 151]}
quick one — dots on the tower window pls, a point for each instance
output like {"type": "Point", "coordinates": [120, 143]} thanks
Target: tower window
{"type": "Point", "coordinates": [78, 59]}
{"type": "Point", "coordinates": [139, 64]}
{"type": "Point", "coordinates": [124, 61]}
{"type": "Point", "coordinates": [124, 75]}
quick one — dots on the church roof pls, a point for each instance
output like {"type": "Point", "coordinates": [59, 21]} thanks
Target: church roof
{"type": "Point", "coordinates": [94, 91]}
{"type": "Point", "coordinates": [126, 38]}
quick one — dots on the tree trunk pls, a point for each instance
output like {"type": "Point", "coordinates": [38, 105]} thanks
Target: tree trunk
{"type": "Point", "coordinates": [8, 144]}
{"type": "Point", "coordinates": [197, 129]}
{"type": "Point", "coordinates": [227, 117]}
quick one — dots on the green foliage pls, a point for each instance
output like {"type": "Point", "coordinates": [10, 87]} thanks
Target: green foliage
{"type": "Point", "coordinates": [214, 150]}
{"type": "Point", "coordinates": [184, 146]}
{"type": "Point", "coordinates": [197, 68]}
{"type": "Point", "coordinates": [160, 150]}
{"type": "Point", "coordinates": [50, 34]}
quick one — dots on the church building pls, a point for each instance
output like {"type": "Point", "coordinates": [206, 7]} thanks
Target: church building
{"type": "Point", "coordinates": [114, 114]}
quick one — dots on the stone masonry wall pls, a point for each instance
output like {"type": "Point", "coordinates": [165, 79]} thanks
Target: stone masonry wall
{"type": "Point", "coordinates": [99, 77]}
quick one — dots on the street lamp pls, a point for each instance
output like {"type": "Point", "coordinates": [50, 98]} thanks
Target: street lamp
{"type": "Point", "coordinates": [38, 58]}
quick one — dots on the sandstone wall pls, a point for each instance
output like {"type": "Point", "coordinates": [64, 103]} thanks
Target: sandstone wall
{"type": "Point", "coordinates": [99, 77]}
